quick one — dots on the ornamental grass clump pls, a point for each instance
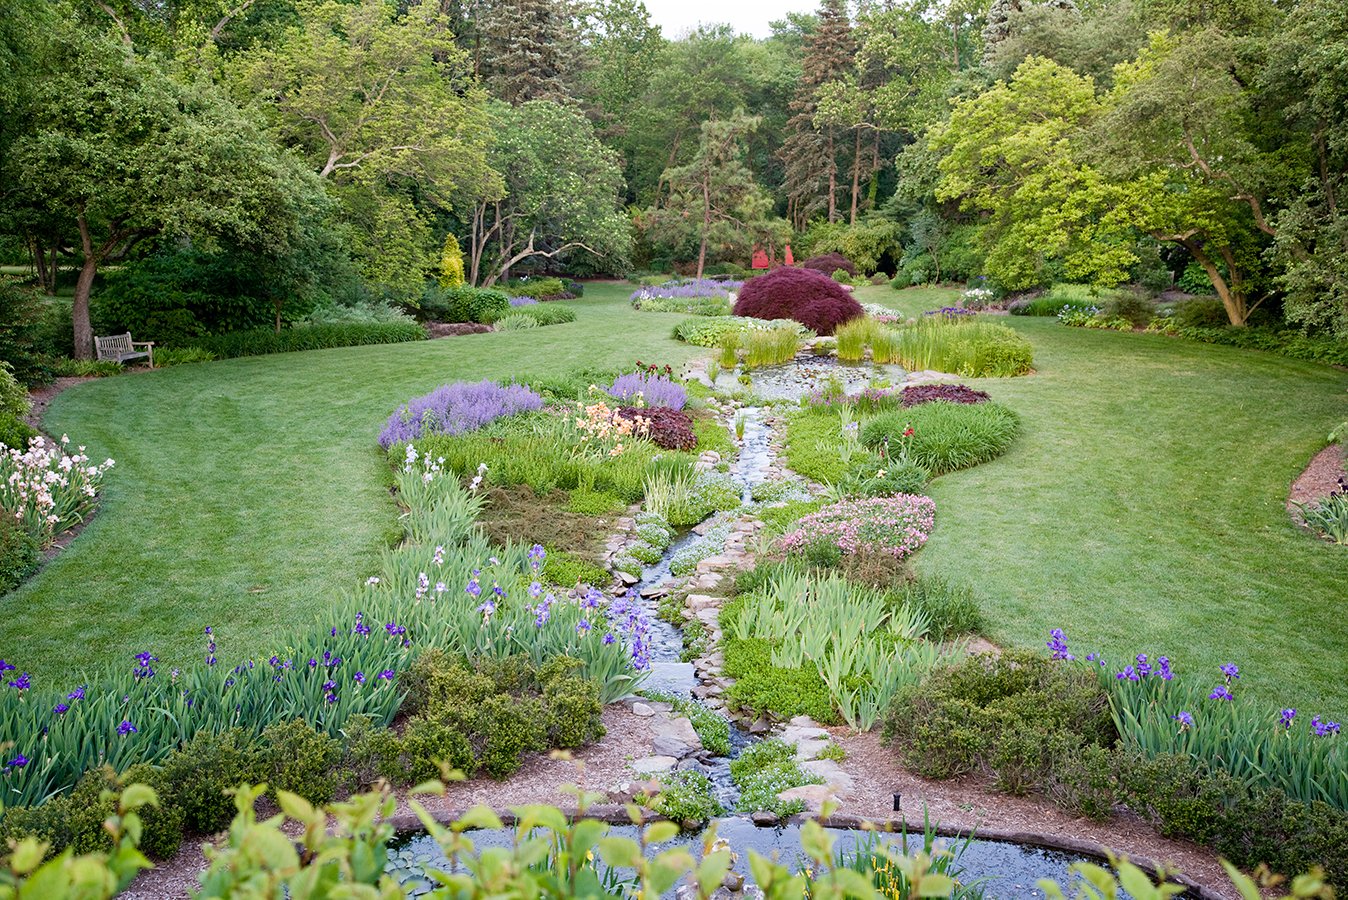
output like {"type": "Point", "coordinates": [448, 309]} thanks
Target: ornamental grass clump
{"type": "Point", "coordinates": [772, 347]}
{"type": "Point", "coordinates": [896, 526]}
{"type": "Point", "coordinates": [645, 389]}
{"type": "Point", "coordinates": [942, 436]}
{"type": "Point", "coordinates": [963, 344]}
{"type": "Point", "coordinates": [864, 646]}
{"type": "Point", "coordinates": [46, 490]}
{"type": "Point", "coordinates": [809, 297]}
{"type": "Point", "coordinates": [457, 408]}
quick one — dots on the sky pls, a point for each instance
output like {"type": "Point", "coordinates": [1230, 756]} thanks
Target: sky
{"type": "Point", "coordinates": [747, 16]}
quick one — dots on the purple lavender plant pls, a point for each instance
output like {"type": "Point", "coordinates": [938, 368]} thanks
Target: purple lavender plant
{"type": "Point", "coordinates": [457, 408]}
{"type": "Point", "coordinates": [655, 390]}
{"type": "Point", "coordinates": [522, 301]}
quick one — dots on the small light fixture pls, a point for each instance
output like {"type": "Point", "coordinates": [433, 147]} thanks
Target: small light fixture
{"type": "Point", "coordinates": [898, 801]}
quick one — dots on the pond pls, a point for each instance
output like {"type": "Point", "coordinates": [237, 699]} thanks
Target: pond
{"type": "Point", "coordinates": [798, 378]}
{"type": "Point", "coordinates": [1002, 870]}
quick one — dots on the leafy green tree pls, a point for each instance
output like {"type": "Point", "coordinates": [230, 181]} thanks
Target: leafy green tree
{"type": "Point", "coordinates": [712, 197]}
{"type": "Point", "coordinates": [386, 110]}
{"type": "Point", "coordinates": [620, 44]}
{"type": "Point", "coordinates": [1307, 79]}
{"type": "Point", "coordinates": [562, 193]}
{"type": "Point", "coordinates": [111, 146]}
{"type": "Point", "coordinates": [1181, 126]}
{"type": "Point", "coordinates": [1014, 152]}
{"type": "Point", "coordinates": [700, 77]}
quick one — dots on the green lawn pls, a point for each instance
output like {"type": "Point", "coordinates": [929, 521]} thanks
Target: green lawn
{"type": "Point", "coordinates": [1140, 511]}
{"type": "Point", "coordinates": [247, 492]}
{"type": "Point", "coordinates": [1142, 508]}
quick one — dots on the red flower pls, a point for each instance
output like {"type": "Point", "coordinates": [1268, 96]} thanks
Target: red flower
{"type": "Point", "coordinates": [908, 432]}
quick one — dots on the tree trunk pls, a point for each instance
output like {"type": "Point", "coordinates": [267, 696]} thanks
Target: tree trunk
{"type": "Point", "coordinates": [1232, 300]}
{"type": "Point", "coordinates": [856, 177]}
{"type": "Point", "coordinates": [277, 305]}
{"type": "Point", "coordinates": [706, 224]}
{"type": "Point", "coordinates": [832, 179]}
{"type": "Point", "coordinates": [79, 310]}
{"type": "Point", "coordinates": [84, 331]}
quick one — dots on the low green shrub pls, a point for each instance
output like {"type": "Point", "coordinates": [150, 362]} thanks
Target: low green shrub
{"type": "Point", "coordinates": [946, 436]}
{"type": "Point", "coordinates": [307, 337]}
{"type": "Point", "coordinates": [869, 476]}
{"type": "Point", "coordinates": [489, 715]}
{"type": "Point", "coordinates": [1010, 716]}
{"type": "Point", "coordinates": [685, 797]}
{"type": "Point", "coordinates": [169, 356]}
{"type": "Point", "coordinates": [1247, 825]}
{"type": "Point", "coordinates": [707, 331]}
{"type": "Point", "coordinates": [19, 554]}
{"type": "Point", "coordinates": [301, 760]}
{"type": "Point", "coordinates": [536, 287]}
{"type": "Point", "coordinates": [63, 367]}
{"type": "Point", "coordinates": [75, 820]}
{"type": "Point", "coordinates": [764, 689]}
{"type": "Point", "coordinates": [1201, 312]}
{"type": "Point", "coordinates": [206, 768]}
{"type": "Point", "coordinates": [14, 432]}
{"type": "Point", "coordinates": [763, 771]}
{"type": "Point", "coordinates": [568, 570]}
{"type": "Point", "coordinates": [463, 303]}
{"type": "Point", "coordinates": [1136, 309]}
{"type": "Point", "coordinates": [593, 503]}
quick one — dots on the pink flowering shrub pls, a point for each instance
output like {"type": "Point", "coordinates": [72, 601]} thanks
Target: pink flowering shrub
{"type": "Point", "coordinates": [896, 526]}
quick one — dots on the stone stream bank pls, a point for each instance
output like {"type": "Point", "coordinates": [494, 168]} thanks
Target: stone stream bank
{"type": "Point", "coordinates": [675, 744]}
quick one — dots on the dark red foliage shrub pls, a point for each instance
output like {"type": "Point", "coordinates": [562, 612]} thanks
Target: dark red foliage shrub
{"type": "Point", "coordinates": [828, 263]}
{"type": "Point", "coordinates": [951, 393]}
{"type": "Point", "coordinates": [811, 298]}
{"type": "Point", "coordinates": [670, 429]}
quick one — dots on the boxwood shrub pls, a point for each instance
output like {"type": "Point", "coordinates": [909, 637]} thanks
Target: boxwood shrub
{"type": "Point", "coordinates": [261, 341]}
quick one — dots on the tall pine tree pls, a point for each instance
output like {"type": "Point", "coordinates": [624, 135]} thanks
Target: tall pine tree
{"type": "Point", "coordinates": [809, 152]}
{"type": "Point", "coordinates": [528, 50]}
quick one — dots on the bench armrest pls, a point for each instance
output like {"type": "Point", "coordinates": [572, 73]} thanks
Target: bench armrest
{"type": "Point", "coordinates": [142, 343]}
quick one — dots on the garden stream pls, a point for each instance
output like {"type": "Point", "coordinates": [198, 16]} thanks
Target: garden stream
{"type": "Point", "coordinates": [1002, 869]}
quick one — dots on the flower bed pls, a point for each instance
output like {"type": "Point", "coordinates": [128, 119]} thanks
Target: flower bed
{"type": "Point", "coordinates": [46, 490]}
{"type": "Point", "coordinates": [951, 393]}
{"type": "Point", "coordinates": [897, 526]}
{"type": "Point", "coordinates": [648, 389]}
{"type": "Point", "coordinates": [457, 408]}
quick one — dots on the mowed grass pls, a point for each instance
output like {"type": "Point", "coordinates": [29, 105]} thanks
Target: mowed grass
{"type": "Point", "coordinates": [1142, 509]}
{"type": "Point", "coordinates": [249, 492]}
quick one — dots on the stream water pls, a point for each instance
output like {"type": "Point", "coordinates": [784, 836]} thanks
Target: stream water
{"type": "Point", "coordinates": [1000, 869]}
{"type": "Point", "coordinates": [1003, 870]}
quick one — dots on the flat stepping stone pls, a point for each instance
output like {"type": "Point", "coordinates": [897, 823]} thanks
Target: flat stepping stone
{"type": "Point", "coordinates": [654, 765]}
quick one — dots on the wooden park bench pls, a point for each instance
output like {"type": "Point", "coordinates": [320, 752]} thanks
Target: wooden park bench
{"type": "Point", "coordinates": [120, 348]}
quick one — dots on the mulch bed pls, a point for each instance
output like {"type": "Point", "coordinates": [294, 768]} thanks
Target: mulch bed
{"type": "Point", "coordinates": [1323, 476]}
{"type": "Point", "coordinates": [454, 329]}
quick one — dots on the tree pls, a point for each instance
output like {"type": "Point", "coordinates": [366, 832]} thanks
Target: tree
{"type": "Point", "coordinates": [620, 44]}
{"type": "Point", "coordinates": [1307, 79]}
{"type": "Point", "coordinates": [1013, 152]}
{"type": "Point", "coordinates": [710, 192]}
{"type": "Point", "coordinates": [1182, 125]}
{"type": "Point", "coordinates": [385, 109]}
{"type": "Point", "coordinates": [529, 50]}
{"type": "Point", "coordinates": [562, 192]}
{"type": "Point", "coordinates": [116, 150]}
{"type": "Point", "coordinates": [809, 151]}
{"type": "Point", "coordinates": [703, 76]}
